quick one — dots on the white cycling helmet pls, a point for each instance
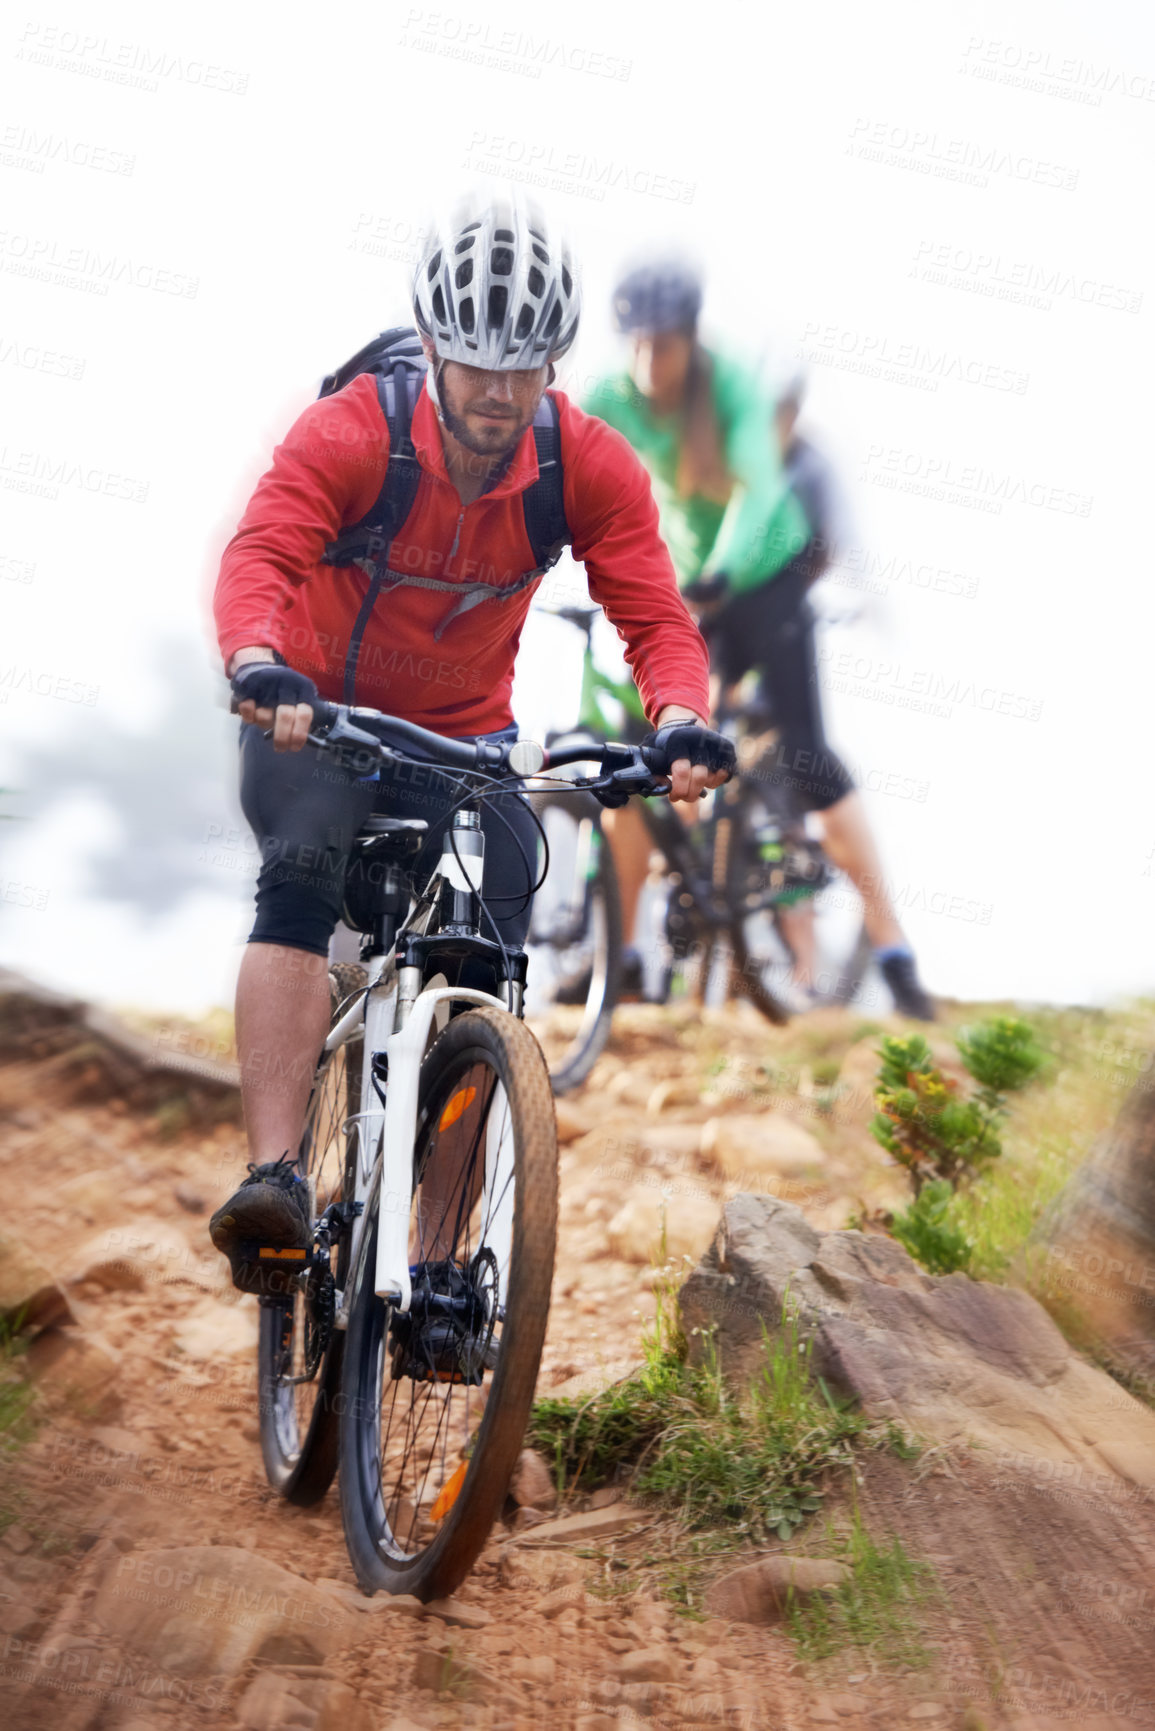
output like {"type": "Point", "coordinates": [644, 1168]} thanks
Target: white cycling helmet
{"type": "Point", "coordinates": [496, 290]}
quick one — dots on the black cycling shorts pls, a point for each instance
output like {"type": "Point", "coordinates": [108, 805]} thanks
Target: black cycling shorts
{"type": "Point", "coordinates": [771, 629]}
{"type": "Point", "coordinates": [305, 810]}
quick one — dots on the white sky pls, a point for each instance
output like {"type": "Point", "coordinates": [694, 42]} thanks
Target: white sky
{"type": "Point", "coordinates": [813, 160]}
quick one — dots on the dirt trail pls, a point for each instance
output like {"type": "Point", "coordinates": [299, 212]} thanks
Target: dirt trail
{"type": "Point", "coordinates": [149, 1447]}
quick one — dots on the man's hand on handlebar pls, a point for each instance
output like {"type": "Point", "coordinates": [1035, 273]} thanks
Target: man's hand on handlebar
{"type": "Point", "coordinates": [697, 757]}
{"type": "Point", "coordinates": [272, 696]}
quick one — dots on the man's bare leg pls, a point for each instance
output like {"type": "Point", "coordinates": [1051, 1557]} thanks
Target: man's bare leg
{"type": "Point", "coordinates": [630, 846]}
{"type": "Point", "coordinates": [282, 1019]}
{"type": "Point", "coordinates": [847, 839]}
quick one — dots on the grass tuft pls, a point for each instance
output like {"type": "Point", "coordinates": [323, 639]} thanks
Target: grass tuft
{"type": "Point", "coordinates": [882, 1607]}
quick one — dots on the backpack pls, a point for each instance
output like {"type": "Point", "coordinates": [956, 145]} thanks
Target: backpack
{"type": "Point", "coordinates": [397, 362]}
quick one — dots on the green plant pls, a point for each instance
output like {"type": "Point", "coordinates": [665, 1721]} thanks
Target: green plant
{"type": "Point", "coordinates": [691, 1443]}
{"type": "Point", "coordinates": [880, 1607]}
{"type": "Point", "coordinates": [928, 1230]}
{"type": "Point", "coordinates": [16, 1419]}
{"type": "Point", "coordinates": [924, 1123]}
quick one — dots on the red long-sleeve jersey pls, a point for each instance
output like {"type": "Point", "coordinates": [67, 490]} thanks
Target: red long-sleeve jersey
{"type": "Point", "coordinates": [273, 589]}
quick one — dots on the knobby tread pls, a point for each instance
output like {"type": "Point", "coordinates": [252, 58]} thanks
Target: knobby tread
{"type": "Point", "coordinates": [438, 1571]}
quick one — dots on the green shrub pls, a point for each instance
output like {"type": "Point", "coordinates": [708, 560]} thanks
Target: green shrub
{"type": "Point", "coordinates": [922, 1120]}
{"type": "Point", "coordinates": [928, 1231]}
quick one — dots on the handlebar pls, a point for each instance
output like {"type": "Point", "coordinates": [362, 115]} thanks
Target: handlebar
{"type": "Point", "coordinates": [365, 737]}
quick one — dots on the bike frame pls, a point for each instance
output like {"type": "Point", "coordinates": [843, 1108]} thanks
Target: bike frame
{"type": "Point", "coordinates": [394, 1018]}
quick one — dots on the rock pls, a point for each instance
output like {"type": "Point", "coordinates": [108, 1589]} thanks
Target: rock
{"type": "Point", "coordinates": [147, 1252]}
{"type": "Point", "coordinates": [596, 1524]}
{"type": "Point", "coordinates": [273, 1701]}
{"type": "Point", "coordinates": [457, 1615]}
{"type": "Point", "coordinates": [650, 1665]}
{"type": "Point", "coordinates": [393, 1604]}
{"type": "Point", "coordinates": [753, 1149]}
{"type": "Point", "coordinates": [570, 1122]}
{"type": "Point", "coordinates": [541, 1569]}
{"type": "Point", "coordinates": [539, 1668]}
{"type": "Point", "coordinates": [77, 1370]}
{"type": "Point", "coordinates": [526, 1518]}
{"type": "Point", "coordinates": [562, 1599]}
{"type": "Point", "coordinates": [949, 1358]}
{"type": "Point", "coordinates": [211, 1331]}
{"type": "Point", "coordinates": [447, 1673]}
{"type": "Point", "coordinates": [688, 1215]}
{"type": "Point", "coordinates": [189, 1199]}
{"type": "Point", "coordinates": [18, 1540]}
{"type": "Point", "coordinates": [205, 1610]}
{"type": "Point", "coordinates": [926, 1710]}
{"type": "Point", "coordinates": [532, 1485]}
{"type": "Point", "coordinates": [759, 1593]}
{"type": "Point", "coordinates": [29, 1293]}
{"type": "Point", "coordinates": [676, 1091]}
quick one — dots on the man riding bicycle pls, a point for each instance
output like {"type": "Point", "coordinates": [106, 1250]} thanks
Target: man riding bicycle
{"type": "Point", "coordinates": [496, 304]}
{"type": "Point", "coordinates": [746, 553]}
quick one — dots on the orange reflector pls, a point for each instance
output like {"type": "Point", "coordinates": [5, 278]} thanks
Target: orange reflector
{"type": "Point", "coordinates": [282, 1255]}
{"type": "Point", "coordinates": [447, 1495]}
{"type": "Point", "coordinates": [464, 1097]}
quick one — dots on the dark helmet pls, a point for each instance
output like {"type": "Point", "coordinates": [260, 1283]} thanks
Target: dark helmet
{"type": "Point", "coordinates": [658, 297]}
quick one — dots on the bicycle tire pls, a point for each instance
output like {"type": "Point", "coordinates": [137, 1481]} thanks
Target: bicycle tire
{"type": "Point", "coordinates": [587, 931]}
{"type": "Point", "coordinates": [400, 1539]}
{"type": "Point", "coordinates": [762, 952]}
{"type": "Point", "coordinates": [299, 1422]}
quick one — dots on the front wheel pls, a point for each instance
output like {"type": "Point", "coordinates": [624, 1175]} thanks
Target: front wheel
{"type": "Point", "coordinates": [436, 1400]}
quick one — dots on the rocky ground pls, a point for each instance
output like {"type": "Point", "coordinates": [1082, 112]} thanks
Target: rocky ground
{"type": "Point", "coordinates": [148, 1577]}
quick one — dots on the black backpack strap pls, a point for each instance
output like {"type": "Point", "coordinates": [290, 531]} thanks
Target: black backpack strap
{"type": "Point", "coordinates": [367, 543]}
{"type": "Point", "coordinates": [544, 502]}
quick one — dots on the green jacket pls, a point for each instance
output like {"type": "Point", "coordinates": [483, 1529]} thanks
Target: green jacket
{"type": "Point", "coordinates": [762, 526]}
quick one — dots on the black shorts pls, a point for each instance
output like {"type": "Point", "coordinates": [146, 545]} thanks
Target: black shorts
{"type": "Point", "coordinates": [305, 810]}
{"type": "Point", "coordinates": [771, 629]}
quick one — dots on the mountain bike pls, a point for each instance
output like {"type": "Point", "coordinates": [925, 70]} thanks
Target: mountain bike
{"type": "Point", "coordinates": [748, 895]}
{"type": "Point", "coordinates": [401, 1349]}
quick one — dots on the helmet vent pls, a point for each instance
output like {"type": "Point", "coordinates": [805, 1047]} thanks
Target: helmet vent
{"type": "Point", "coordinates": [501, 261]}
{"type": "Point", "coordinates": [434, 265]}
{"type": "Point", "coordinates": [465, 314]}
{"type": "Point", "coordinates": [495, 312]}
{"type": "Point", "coordinates": [554, 319]}
{"type": "Point", "coordinates": [463, 275]}
{"type": "Point", "coordinates": [504, 234]}
{"type": "Point", "coordinates": [524, 323]}
{"type": "Point", "coordinates": [536, 282]}
{"type": "Point", "coordinates": [463, 245]}
{"type": "Point", "coordinates": [439, 306]}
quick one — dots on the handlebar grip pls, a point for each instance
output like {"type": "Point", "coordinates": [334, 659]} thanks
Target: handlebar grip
{"type": "Point", "coordinates": [324, 712]}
